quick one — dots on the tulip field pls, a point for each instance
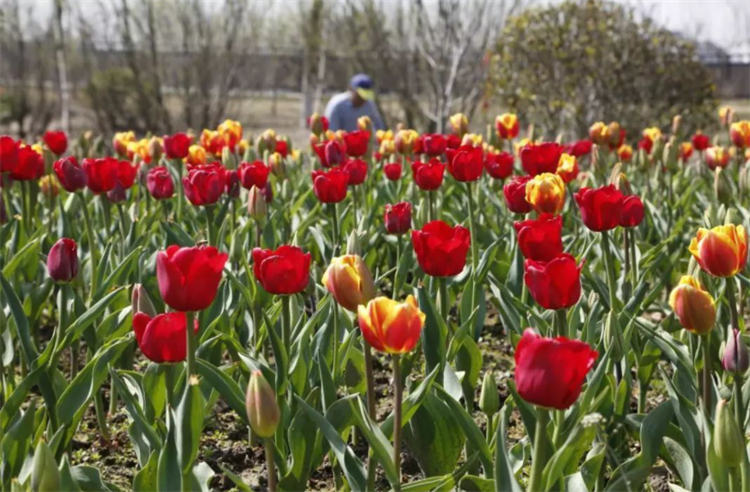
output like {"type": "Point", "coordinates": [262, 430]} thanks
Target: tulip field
{"type": "Point", "coordinates": [376, 310]}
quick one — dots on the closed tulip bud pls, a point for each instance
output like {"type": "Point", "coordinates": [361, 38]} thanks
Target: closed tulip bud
{"type": "Point", "coordinates": [277, 164]}
{"type": "Point", "coordinates": [676, 122]}
{"type": "Point", "coordinates": [155, 148]}
{"type": "Point", "coordinates": [256, 204]}
{"type": "Point", "coordinates": [729, 440]}
{"type": "Point", "coordinates": [349, 281]}
{"type": "Point", "coordinates": [48, 186]}
{"type": "Point", "coordinates": [62, 261]}
{"type": "Point", "coordinates": [613, 340]}
{"type": "Point", "coordinates": [141, 302]}
{"type": "Point", "coordinates": [334, 153]}
{"type": "Point", "coordinates": [262, 410]}
{"type": "Point", "coordinates": [352, 244]}
{"type": "Point", "coordinates": [623, 184]}
{"type": "Point", "coordinates": [318, 124]}
{"type": "Point", "coordinates": [45, 477]}
{"type": "Point", "coordinates": [489, 397]}
{"type": "Point", "coordinates": [227, 158]}
{"type": "Point", "coordinates": [735, 359]}
{"type": "Point", "coordinates": [267, 142]}
{"type": "Point", "coordinates": [693, 306]}
{"type": "Point", "coordinates": [117, 194]}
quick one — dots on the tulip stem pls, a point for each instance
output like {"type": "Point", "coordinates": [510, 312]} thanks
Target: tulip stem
{"type": "Point", "coordinates": [210, 225]}
{"type": "Point", "coordinates": [270, 464]}
{"type": "Point", "coordinates": [609, 266]}
{"type": "Point", "coordinates": [740, 417]}
{"type": "Point", "coordinates": [335, 361]}
{"type": "Point", "coordinates": [732, 300]}
{"type": "Point", "coordinates": [286, 328]}
{"type": "Point", "coordinates": [707, 372]}
{"type": "Point", "coordinates": [370, 379]}
{"type": "Point", "coordinates": [396, 286]}
{"type": "Point", "coordinates": [561, 323]}
{"type": "Point", "coordinates": [430, 206]}
{"type": "Point", "coordinates": [540, 452]}
{"type": "Point", "coordinates": [474, 256]}
{"type": "Point", "coordinates": [180, 187]}
{"type": "Point", "coordinates": [336, 234]}
{"type": "Point", "coordinates": [122, 230]}
{"type": "Point", "coordinates": [192, 344]}
{"type": "Point", "coordinates": [93, 254]}
{"type": "Point", "coordinates": [397, 424]}
{"type": "Point", "coordinates": [444, 302]}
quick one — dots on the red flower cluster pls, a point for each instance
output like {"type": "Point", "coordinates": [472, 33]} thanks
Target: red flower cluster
{"type": "Point", "coordinates": [603, 209]}
{"type": "Point", "coordinates": [103, 175]}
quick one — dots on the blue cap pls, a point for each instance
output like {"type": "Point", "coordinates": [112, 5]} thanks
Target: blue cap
{"type": "Point", "coordinates": [363, 85]}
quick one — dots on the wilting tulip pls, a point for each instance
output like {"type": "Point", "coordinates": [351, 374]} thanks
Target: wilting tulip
{"type": "Point", "coordinates": [177, 146]}
{"type": "Point", "coordinates": [693, 306]}
{"type": "Point", "coordinates": [405, 141]}
{"type": "Point", "coordinates": [601, 208]}
{"type": "Point", "coordinates": [71, 175]}
{"type": "Point", "coordinates": [284, 271]}
{"type": "Point", "coordinates": [253, 174]}
{"type": "Point", "coordinates": [196, 155]}
{"type": "Point", "coordinates": [357, 171]}
{"type": "Point", "coordinates": [721, 251]}
{"type": "Point", "coordinates": [515, 195]}
{"type": "Point", "coordinates": [740, 134]}
{"type": "Point", "coordinates": [121, 141]}
{"type": "Point", "coordinates": [599, 133]}
{"type": "Point", "coordinates": [700, 141]}
{"type": "Point", "coordinates": [459, 124]}
{"type": "Point", "coordinates": [392, 171]}
{"type": "Point", "coordinates": [441, 249]}
{"type": "Point", "coordinates": [318, 124]}
{"type": "Point", "coordinates": [357, 143]}
{"type": "Point", "coordinates": [499, 165]}
{"type": "Point", "coordinates": [262, 409]}
{"type": "Point", "coordinates": [397, 218]}
{"type": "Point", "coordinates": [29, 166]}
{"type": "Point", "coordinates": [506, 126]}
{"type": "Point", "coordinates": [140, 302]}
{"type": "Point", "coordinates": [162, 338]}
{"type": "Point", "coordinates": [256, 204]}
{"type": "Point", "coordinates": [555, 284]}
{"type": "Point", "coordinates": [550, 372]}
{"type": "Point", "coordinates": [189, 277]}
{"type": "Point", "coordinates": [541, 158]}
{"type": "Point", "coordinates": [728, 438]}
{"type": "Point", "coordinates": [546, 193]}
{"type": "Point", "coordinates": [579, 148]}
{"type": "Point", "coordinates": [57, 142]}
{"type": "Point", "coordinates": [465, 163]}
{"type": "Point", "coordinates": [204, 185]}
{"type": "Point", "coordinates": [717, 157]}
{"type": "Point", "coordinates": [625, 153]}
{"type": "Point", "coordinates": [540, 239]}
{"type": "Point", "coordinates": [434, 144]}
{"type": "Point", "coordinates": [159, 183]}
{"type": "Point", "coordinates": [735, 359]}
{"type": "Point", "coordinates": [349, 281]}
{"type": "Point", "coordinates": [632, 211]}
{"type": "Point", "coordinates": [231, 133]}
{"type": "Point", "coordinates": [330, 186]}
{"type": "Point", "coordinates": [62, 261]}
{"type": "Point", "coordinates": [567, 168]}
{"type": "Point", "coordinates": [428, 176]}
{"type": "Point", "coordinates": [390, 326]}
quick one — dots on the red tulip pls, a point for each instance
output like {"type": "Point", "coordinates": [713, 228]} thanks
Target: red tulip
{"type": "Point", "coordinates": [555, 284]}
{"type": "Point", "coordinates": [579, 148]}
{"type": "Point", "coordinates": [540, 239]}
{"type": "Point", "coordinates": [499, 166]}
{"type": "Point", "coordinates": [434, 144]}
{"type": "Point", "coordinates": [177, 146]}
{"type": "Point", "coordinates": [441, 249]}
{"type": "Point", "coordinates": [71, 175]}
{"type": "Point", "coordinates": [100, 175]}
{"type": "Point", "coordinates": [334, 153]}
{"type": "Point", "coordinates": [282, 272]}
{"type": "Point", "coordinates": [320, 151]}
{"type": "Point", "coordinates": [515, 195]}
{"type": "Point", "coordinates": [465, 163]}
{"type": "Point", "coordinates": [253, 174]}
{"type": "Point", "coordinates": [29, 166]}
{"type": "Point", "coordinates": [125, 173]}
{"type": "Point", "coordinates": [397, 218]}
{"type": "Point", "coordinates": [392, 171]}
{"type": "Point", "coordinates": [57, 142]}
{"type": "Point", "coordinates": [646, 144]}
{"type": "Point", "coordinates": [601, 208]}
{"type": "Point", "coordinates": [700, 141]}
{"type": "Point", "coordinates": [162, 338]}
{"type": "Point", "coordinates": [8, 154]}
{"type": "Point", "coordinates": [632, 211]}
{"type": "Point", "coordinates": [232, 183]}
{"type": "Point", "coordinates": [189, 277]}
{"type": "Point", "coordinates": [159, 183]}
{"type": "Point", "coordinates": [62, 261]}
{"type": "Point", "coordinates": [541, 158]}
{"type": "Point", "coordinates": [357, 143]}
{"type": "Point", "coordinates": [204, 185]}
{"type": "Point", "coordinates": [428, 176]}
{"type": "Point", "coordinates": [282, 148]}
{"type": "Point", "coordinates": [452, 141]}
{"type": "Point", "coordinates": [330, 186]}
{"type": "Point", "coordinates": [357, 171]}
{"type": "Point", "coordinates": [551, 371]}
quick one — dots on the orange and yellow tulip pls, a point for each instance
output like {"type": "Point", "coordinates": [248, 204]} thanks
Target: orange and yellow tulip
{"type": "Point", "coordinates": [390, 326]}
{"type": "Point", "coordinates": [546, 193]}
{"type": "Point", "coordinates": [693, 306]}
{"type": "Point", "coordinates": [740, 134]}
{"type": "Point", "coordinates": [349, 281]}
{"type": "Point", "coordinates": [721, 251]}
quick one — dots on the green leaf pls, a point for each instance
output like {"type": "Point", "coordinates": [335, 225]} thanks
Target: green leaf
{"type": "Point", "coordinates": [473, 483]}
{"type": "Point", "coordinates": [226, 386]}
{"type": "Point", "coordinates": [86, 320]}
{"type": "Point", "coordinates": [379, 444]}
{"type": "Point", "coordinates": [29, 250]}
{"type": "Point", "coordinates": [189, 424]}
{"type": "Point", "coordinates": [169, 474]}
{"type": "Point", "coordinates": [133, 407]}
{"type": "Point", "coordinates": [145, 479]}
{"type": "Point", "coordinates": [503, 472]}
{"type": "Point", "coordinates": [434, 333]}
{"type": "Point", "coordinates": [16, 443]}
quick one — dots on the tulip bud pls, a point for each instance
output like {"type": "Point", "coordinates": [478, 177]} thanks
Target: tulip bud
{"type": "Point", "coordinates": [277, 164]}
{"type": "Point", "coordinates": [141, 302]}
{"type": "Point", "coordinates": [721, 189]}
{"type": "Point", "coordinates": [349, 281]}
{"type": "Point", "coordinates": [45, 477]}
{"type": "Point", "coordinates": [267, 142]}
{"type": "Point", "coordinates": [256, 204]}
{"type": "Point", "coordinates": [693, 306]}
{"type": "Point", "coordinates": [623, 184]}
{"type": "Point", "coordinates": [48, 186]}
{"type": "Point", "coordinates": [613, 340]}
{"type": "Point", "coordinates": [262, 410]}
{"type": "Point", "coordinates": [676, 122]}
{"type": "Point", "coordinates": [155, 148]}
{"type": "Point", "coordinates": [615, 174]}
{"type": "Point", "coordinates": [352, 244]}
{"type": "Point", "coordinates": [735, 358]}
{"type": "Point", "coordinates": [489, 398]}
{"type": "Point", "coordinates": [317, 124]}
{"type": "Point", "coordinates": [62, 261]}
{"type": "Point", "coordinates": [227, 158]}
{"type": "Point", "coordinates": [117, 194]}
{"type": "Point", "coordinates": [729, 440]}
{"type": "Point", "coordinates": [459, 123]}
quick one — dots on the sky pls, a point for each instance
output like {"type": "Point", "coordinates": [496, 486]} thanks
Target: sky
{"type": "Point", "coordinates": [723, 22]}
